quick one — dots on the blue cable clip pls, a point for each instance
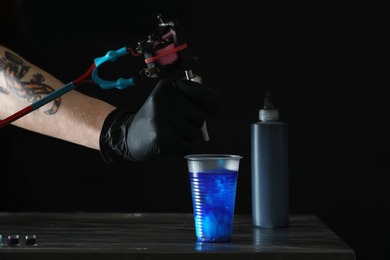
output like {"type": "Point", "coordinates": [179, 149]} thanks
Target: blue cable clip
{"type": "Point", "coordinates": [121, 83]}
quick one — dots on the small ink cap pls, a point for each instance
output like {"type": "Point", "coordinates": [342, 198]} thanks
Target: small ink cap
{"type": "Point", "coordinates": [269, 113]}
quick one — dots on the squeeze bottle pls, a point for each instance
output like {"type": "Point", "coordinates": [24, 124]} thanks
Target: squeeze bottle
{"type": "Point", "coordinates": [270, 198]}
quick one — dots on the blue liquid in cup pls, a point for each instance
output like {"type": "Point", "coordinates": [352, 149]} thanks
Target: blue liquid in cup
{"type": "Point", "coordinates": [213, 197]}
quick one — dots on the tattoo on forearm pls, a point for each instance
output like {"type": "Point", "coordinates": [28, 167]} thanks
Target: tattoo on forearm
{"type": "Point", "coordinates": [14, 70]}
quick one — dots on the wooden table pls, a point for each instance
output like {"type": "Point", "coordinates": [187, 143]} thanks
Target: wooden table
{"type": "Point", "coordinates": [162, 236]}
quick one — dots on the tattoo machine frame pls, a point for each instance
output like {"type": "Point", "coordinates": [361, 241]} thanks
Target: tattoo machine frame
{"type": "Point", "coordinates": [161, 53]}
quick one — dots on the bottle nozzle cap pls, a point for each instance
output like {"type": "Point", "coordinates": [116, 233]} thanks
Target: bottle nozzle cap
{"type": "Point", "coordinates": [269, 112]}
{"type": "Point", "coordinates": [269, 115]}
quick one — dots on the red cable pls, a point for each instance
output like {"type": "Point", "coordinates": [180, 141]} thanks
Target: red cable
{"type": "Point", "coordinates": [16, 116]}
{"type": "Point", "coordinates": [132, 52]}
{"type": "Point", "coordinates": [29, 109]}
{"type": "Point", "coordinates": [89, 72]}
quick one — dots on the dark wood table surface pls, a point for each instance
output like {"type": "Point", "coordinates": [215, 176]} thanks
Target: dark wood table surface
{"type": "Point", "coordinates": [162, 236]}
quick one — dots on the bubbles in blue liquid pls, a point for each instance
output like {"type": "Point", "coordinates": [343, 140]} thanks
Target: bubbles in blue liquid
{"type": "Point", "coordinates": [213, 196]}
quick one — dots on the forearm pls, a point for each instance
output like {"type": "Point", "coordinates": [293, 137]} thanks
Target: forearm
{"type": "Point", "coordinates": [74, 117]}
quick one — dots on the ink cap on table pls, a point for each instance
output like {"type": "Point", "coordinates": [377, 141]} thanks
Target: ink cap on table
{"type": "Point", "coordinates": [13, 240]}
{"type": "Point", "coordinates": [31, 240]}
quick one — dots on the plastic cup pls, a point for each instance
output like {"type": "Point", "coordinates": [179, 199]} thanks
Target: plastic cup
{"type": "Point", "coordinates": [213, 180]}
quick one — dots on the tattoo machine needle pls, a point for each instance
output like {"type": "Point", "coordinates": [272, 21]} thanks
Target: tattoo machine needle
{"type": "Point", "coordinates": [195, 78]}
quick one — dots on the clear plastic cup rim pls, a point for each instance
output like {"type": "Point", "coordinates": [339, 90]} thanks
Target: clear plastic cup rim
{"type": "Point", "coordinates": [202, 157]}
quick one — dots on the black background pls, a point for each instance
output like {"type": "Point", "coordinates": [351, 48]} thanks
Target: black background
{"type": "Point", "coordinates": [319, 62]}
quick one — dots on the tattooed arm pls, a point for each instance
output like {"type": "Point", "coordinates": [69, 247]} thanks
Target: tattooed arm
{"type": "Point", "coordinates": [73, 117]}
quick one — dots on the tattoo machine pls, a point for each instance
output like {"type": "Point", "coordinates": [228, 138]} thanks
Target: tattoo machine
{"type": "Point", "coordinates": [161, 53]}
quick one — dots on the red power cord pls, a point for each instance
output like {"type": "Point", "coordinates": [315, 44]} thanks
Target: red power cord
{"type": "Point", "coordinates": [88, 73]}
{"type": "Point", "coordinates": [132, 52]}
{"type": "Point", "coordinates": [29, 109]}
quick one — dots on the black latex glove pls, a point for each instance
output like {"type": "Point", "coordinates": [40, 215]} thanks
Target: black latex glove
{"type": "Point", "coordinates": [170, 119]}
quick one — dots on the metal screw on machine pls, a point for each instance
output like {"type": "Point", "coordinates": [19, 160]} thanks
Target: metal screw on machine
{"type": "Point", "coordinates": [160, 18]}
{"type": "Point", "coordinates": [163, 23]}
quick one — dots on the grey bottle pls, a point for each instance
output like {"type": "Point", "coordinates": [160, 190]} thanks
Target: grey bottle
{"type": "Point", "coordinates": [270, 189]}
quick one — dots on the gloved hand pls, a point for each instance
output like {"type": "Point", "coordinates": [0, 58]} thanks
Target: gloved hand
{"type": "Point", "coordinates": [170, 119]}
